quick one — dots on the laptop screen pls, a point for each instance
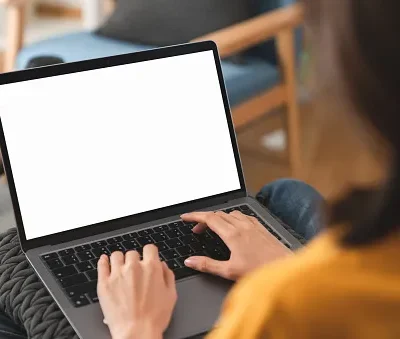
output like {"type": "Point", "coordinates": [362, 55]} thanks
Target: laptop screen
{"type": "Point", "coordinates": [103, 144]}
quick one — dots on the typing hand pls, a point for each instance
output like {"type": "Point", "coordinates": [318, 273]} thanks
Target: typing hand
{"type": "Point", "coordinates": [251, 245]}
{"type": "Point", "coordinates": [137, 296]}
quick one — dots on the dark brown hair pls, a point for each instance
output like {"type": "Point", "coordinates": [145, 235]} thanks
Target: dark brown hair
{"type": "Point", "coordinates": [356, 44]}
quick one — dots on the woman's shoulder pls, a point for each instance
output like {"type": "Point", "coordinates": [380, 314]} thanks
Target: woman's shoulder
{"type": "Point", "coordinates": [322, 284]}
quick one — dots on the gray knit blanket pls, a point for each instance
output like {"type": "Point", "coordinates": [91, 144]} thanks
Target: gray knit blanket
{"type": "Point", "coordinates": [23, 297]}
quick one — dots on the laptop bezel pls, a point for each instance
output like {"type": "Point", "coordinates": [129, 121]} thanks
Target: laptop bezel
{"type": "Point", "coordinates": [136, 219]}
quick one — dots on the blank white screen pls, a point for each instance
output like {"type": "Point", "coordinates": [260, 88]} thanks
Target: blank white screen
{"type": "Point", "coordinates": [103, 144]}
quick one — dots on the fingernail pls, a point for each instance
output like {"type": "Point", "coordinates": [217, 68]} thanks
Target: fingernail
{"type": "Point", "coordinates": [190, 262]}
{"type": "Point", "coordinates": [183, 215]}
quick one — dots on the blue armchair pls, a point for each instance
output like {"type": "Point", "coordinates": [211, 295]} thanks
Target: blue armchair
{"type": "Point", "coordinates": [264, 81]}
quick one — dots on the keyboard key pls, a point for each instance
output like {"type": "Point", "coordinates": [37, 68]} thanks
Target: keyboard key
{"type": "Point", "coordinates": [276, 235]}
{"type": "Point", "coordinates": [174, 233]}
{"type": "Point", "coordinates": [213, 242]}
{"type": "Point", "coordinates": [130, 244]}
{"type": "Point", "coordinates": [172, 243]}
{"type": "Point", "coordinates": [80, 300]}
{"type": "Point", "coordinates": [68, 251]}
{"type": "Point", "coordinates": [262, 222]}
{"type": "Point", "coordinates": [130, 236]}
{"type": "Point", "coordinates": [85, 256]}
{"type": "Point", "coordinates": [161, 246]}
{"type": "Point", "coordinates": [217, 253]}
{"type": "Point", "coordinates": [202, 236]}
{"type": "Point", "coordinates": [229, 210]}
{"type": "Point", "coordinates": [244, 207]}
{"type": "Point", "coordinates": [83, 248]}
{"type": "Point", "coordinates": [161, 228]}
{"type": "Point", "coordinates": [172, 264]}
{"type": "Point", "coordinates": [198, 247]}
{"type": "Point", "coordinates": [250, 213]}
{"type": "Point", "coordinates": [170, 254]}
{"type": "Point", "coordinates": [92, 274]}
{"type": "Point", "coordinates": [114, 240]}
{"type": "Point", "coordinates": [184, 272]}
{"type": "Point", "coordinates": [158, 237]}
{"type": "Point", "coordinates": [181, 260]}
{"type": "Point", "coordinates": [86, 287]}
{"type": "Point", "coordinates": [93, 297]}
{"type": "Point", "coordinates": [84, 266]}
{"type": "Point", "coordinates": [100, 243]}
{"type": "Point", "coordinates": [116, 248]}
{"type": "Point", "coordinates": [188, 239]}
{"type": "Point", "coordinates": [55, 263]}
{"type": "Point", "coordinates": [185, 230]}
{"type": "Point", "coordinates": [65, 271]}
{"type": "Point", "coordinates": [97, 252]}
{"type": "Point", "coordinates": [185, 250]}
{"type": "Point", "coordinates": [49, 256]}
{"type": "Point", "coordinates": [143, 233]}
{"type": "Point", "coordinates": [70, 259]}
{"type": "Point", "coordinates": [175, 224]}
{"type": "Point", "coordinates": [94, 262]}
{"type": "Point", "coordinates": [143, 241]}
{"type": "Point", "coordinates": [189, 224]}
{"type": "Point", "coordinates": [72, 280]}
{"type": "Point", "coordinates": [287, 245]}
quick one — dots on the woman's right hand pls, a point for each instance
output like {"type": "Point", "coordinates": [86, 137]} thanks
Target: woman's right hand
{"type": "Point", "coordinates": [251, 245]}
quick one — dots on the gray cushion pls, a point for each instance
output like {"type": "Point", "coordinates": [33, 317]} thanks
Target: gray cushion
{"type": "Point", "coordinates": [163, 22]}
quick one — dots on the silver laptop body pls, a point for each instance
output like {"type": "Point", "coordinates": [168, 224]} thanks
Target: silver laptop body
{"type": "Point", "coordinates": [118, 148]}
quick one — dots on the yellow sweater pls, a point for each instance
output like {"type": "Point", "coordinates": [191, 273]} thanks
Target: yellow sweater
{"type": "Point", "coordinates": [325, 291]}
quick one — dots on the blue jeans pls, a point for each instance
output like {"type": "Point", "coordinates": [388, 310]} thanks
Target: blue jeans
{"type": "Point", "coordinates": [293, 202]}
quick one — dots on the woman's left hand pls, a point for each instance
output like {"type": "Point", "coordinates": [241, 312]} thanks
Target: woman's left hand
{"type": "Point", "coordinates": [137, 296]}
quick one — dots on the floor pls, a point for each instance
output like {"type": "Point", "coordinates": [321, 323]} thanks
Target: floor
{"type": "Point", "coordinates": [334, 157]}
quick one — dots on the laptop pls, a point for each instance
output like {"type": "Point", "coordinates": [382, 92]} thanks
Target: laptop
{"type": "Point", "coordinates": [104, 155]}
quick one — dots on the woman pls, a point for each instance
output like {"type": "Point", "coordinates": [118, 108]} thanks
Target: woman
{"type": "Point", "coordinates": [346, 283]}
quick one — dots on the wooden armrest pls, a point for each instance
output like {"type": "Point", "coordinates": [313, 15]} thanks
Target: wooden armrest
{"type": "Point", "coordinates": [15, 30]}
{"type": "Point", "coordinates": [253, 31]}
{"type": "Point", "coordinates": [14, 2]}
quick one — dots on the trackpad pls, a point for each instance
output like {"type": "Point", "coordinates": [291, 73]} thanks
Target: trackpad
{"type": "Point", "coordinates": [199, 303]}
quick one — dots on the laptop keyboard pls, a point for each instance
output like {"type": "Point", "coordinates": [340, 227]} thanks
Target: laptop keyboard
{"type": "Point", "coordinates": [75, 268]}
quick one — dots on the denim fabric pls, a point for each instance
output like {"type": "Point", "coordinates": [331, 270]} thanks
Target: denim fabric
{"type": "Point", "coordinates": [294, 203]}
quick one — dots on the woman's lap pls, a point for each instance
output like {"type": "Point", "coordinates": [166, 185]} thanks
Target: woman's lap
{"type": "Point", "coordinates": [295, 203]}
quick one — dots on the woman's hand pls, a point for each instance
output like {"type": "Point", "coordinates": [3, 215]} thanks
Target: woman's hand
{"type": "Point", "coordinates": [137, 297]}
{"type": "Point", "coordinates": [251, 245]}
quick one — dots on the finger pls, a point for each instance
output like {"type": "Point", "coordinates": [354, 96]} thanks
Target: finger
{"type": "Point", "coordinates": [211, 219]}
{"type": "Point", "coordinates": [245, 219]}
{"type": "Point", "coordinates": [169, 276]}
{"type": "Point", "coordinates": [132, 258]}
{"type": "Point", "coordinates": [150, 253]}
{"type": "Point", "coordinates": [239, 215]}
{"type": "Point", "coordinates": [103, 268]}
{"type": "Point", "coordinates": [199, 228]}
{"type": "Point", "coordinates": [208, 265]}
{"type": "Point", "coordinates": [228, 218]}
{"type": "Point", "coordinates": [117, 260]}
{"type": "Point", "coordinates": [253, 220]}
